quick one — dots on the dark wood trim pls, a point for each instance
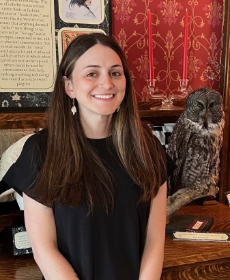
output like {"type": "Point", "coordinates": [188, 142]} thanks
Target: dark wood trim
{"type": "Point", "coordinates": [159, 115]}
{"type": "Point", "coordinates": [36, 120]}
{"type": "Point", "coordinates": [22, 120]}
{"type": "Point", "coordinates": [225, 90]}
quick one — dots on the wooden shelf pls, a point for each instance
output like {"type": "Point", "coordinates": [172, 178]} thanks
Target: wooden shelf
{"type": "Point", "coordinates": [14, 120]}
{"type": "Point", "coordinates": [159, 115]}
{"type": "Point", "coordinates": [22, 120]}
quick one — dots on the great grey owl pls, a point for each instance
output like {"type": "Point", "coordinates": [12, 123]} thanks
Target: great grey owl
{"type": "Point", "coordinates": [196, 141]}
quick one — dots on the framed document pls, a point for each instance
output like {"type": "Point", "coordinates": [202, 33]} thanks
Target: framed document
{"type": "Point", "coordinates": [21, 243]}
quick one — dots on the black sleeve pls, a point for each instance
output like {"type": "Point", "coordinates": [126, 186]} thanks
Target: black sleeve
{"type": "Point", "coordinates": [3, 187]}
{"type": "Point", "coordinates": [23, 174]}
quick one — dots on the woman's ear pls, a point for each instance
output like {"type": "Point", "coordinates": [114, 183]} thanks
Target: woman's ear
{"type": "Point", "coordinates": [68, 87]}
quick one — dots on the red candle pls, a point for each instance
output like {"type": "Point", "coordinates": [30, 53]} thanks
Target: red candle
{"type": "Point", "coordinates": [151, 69]}
{"type": "Point", "coordinates": [185, 56]}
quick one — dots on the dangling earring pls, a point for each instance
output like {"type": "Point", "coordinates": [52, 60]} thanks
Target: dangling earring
{"type": "Point", "coordinates": [74, 109]}
{"type": "Point", "coordinates": [118, 109]}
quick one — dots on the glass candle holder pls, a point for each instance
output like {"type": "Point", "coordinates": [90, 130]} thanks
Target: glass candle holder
{"type": "Point", "coordinates": [151, 86]}
{"type": "Point", "coordinates": [167, 100]}
{"type": "Point", "coordinates": [183, 86]}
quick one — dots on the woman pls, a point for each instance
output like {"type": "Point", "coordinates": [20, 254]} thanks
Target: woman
{"type": "Point", "coordinates": [94, 181]}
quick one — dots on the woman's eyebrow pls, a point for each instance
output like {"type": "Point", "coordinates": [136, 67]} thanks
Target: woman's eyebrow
{"type": "Point", "coordinates": [98, 66]}
{"type": "Point", "coordinates": [117, 65]}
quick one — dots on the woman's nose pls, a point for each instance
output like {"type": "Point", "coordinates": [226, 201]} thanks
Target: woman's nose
{"type": "Point", "coordinates": [106, 82]}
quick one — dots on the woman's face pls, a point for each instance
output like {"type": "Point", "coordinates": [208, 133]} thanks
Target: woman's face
{"type": "Point", "coordinates": [98, 82]}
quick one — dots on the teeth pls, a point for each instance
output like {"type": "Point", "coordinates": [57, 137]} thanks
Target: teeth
{"type": "Point", "coordinates": [104, 96]}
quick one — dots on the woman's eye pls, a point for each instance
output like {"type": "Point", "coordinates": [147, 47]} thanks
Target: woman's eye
{"type": "Point", "coordinates": [91, 74]}
{"type": "Point", "coordinates": [115, 74]}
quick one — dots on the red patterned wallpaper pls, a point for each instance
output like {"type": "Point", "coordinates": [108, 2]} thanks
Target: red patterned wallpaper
{"type": "Point", "coordinates": [130, 28]}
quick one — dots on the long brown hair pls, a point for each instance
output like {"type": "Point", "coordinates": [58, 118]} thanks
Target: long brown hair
{"type": "Point", "coordinates": [72, 171]}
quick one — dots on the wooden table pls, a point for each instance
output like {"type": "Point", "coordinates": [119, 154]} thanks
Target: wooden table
{"type": "Point", "coordinates": [188, 260]}
{"type": "Point", "coordinates": [183, 260]}
{"type": "Point", "coordinates": [16, 268]}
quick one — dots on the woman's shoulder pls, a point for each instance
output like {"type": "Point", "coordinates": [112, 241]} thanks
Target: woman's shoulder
{"type": "Point", "coordinates": [23, 161]}
{"type": "Point", "coordinates": [23, 149]}
{"type": "Point", "coordinates": [35, 146]}
{"type": "Point", "coordinates": [39, 139]}
{"type": "Point", "coordinates": [39, 135]}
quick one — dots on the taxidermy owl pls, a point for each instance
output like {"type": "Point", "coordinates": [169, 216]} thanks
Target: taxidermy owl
{"type": "Point", "coordinates": [195, 146]}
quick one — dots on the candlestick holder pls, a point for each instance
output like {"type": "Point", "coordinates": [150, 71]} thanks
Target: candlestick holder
{"type": "Point", "coordinates": [152, 93]}
{"type": "Point", "coordinates": [183, 89]}
{"type": "Point", "coordinates": [167, 100]}
{"type": "Point", "coordinates": [151, 86]}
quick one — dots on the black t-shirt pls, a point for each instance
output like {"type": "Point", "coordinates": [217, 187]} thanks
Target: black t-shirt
{"type": "Point", "coordinates": [98, 246]}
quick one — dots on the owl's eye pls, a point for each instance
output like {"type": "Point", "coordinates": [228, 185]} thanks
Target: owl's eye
{"type": "Point", "coordinates": [211, 105]}
{"type": "Point", "coordinates": [199, 105]}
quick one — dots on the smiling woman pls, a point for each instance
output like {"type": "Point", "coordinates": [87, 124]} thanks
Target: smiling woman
{"type": "Point", "coordinates": [99, 88]}
{"type": "Point", "coordinates": [95, 177]}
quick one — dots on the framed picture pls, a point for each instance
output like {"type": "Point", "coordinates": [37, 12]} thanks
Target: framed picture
{"type": "Point", "coordinates": [31, 47]}
{"type": "Point", "coordinates": [82, 11]}
{"type": "Point", "coordinates": [67, 35]}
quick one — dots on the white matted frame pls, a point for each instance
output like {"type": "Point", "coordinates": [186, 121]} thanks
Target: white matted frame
{"type": "Point", "coordinates": [82, 11]}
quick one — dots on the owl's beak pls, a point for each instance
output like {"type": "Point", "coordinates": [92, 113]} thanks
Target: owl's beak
{"type": "Point", "coordinates": [205, 126]}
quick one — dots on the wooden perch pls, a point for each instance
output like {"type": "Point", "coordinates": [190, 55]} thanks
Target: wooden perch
{"type": "Point", "coordinates": [186, 195]}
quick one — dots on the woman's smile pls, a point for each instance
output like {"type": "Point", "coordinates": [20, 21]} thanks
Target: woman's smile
{"type": "Point", "coordinates": [104, 96]}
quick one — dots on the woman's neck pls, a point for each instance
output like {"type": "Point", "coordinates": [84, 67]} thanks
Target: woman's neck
{"type": "Point", "coordinates": [96, 128]}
